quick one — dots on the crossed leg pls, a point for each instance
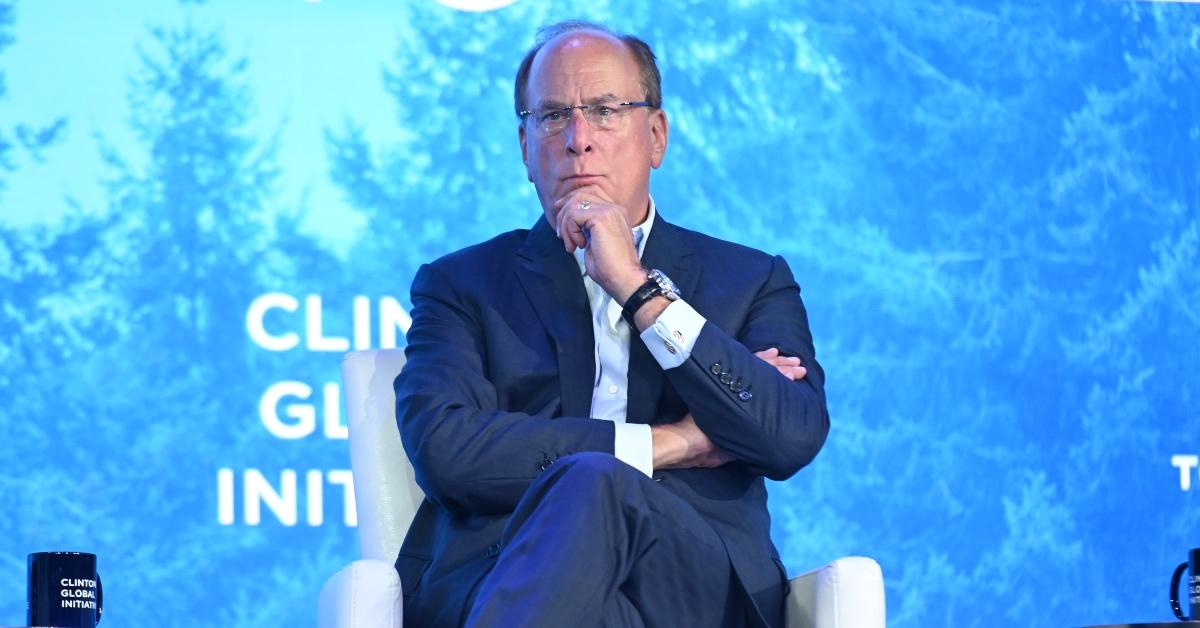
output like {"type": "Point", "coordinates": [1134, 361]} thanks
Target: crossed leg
{"type": "Point", "coordinates": [594, 542]}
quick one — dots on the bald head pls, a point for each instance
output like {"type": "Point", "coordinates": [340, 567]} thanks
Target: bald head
{"type": "Point", "coordinates": [555, 36]}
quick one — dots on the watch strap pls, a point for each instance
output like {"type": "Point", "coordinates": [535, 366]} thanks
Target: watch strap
{"type": "Point", "coordinates": [643, 294]}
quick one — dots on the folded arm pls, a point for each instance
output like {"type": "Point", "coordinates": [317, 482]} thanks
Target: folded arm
{"type": "Point", "coordinates": [747, 398]}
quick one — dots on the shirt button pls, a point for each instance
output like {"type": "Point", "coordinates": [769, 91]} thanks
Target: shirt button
{"type": "Point", "coordinates": [612, 389]}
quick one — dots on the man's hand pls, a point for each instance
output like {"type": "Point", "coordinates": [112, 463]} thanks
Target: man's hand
{"type": "Point", "coordinates": [788, 366]}
{"type": "Point", "coordinates": [589, 220]}
{"type": "Point", "coordinates": [682, 445]}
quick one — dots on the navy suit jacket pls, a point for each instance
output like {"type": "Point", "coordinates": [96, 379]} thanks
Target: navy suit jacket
{"type": "Point", "coordinates": [498, 384]}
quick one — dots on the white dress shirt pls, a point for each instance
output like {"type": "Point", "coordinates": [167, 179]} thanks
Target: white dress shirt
{"type": "Point", "coordinates": [670, 340]}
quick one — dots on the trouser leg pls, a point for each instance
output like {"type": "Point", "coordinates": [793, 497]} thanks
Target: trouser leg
{"type": "Point", "coordinates": [621, 613]}
{"type": "Point", "coordinates": [593, 529]}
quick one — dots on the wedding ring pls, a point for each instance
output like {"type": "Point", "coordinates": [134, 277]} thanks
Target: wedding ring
{"type": "Point", "coordinates": [585, 204]}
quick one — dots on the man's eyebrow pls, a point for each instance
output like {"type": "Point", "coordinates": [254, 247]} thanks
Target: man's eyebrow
{"type": "Point", "coordinates": [605, 97]}
{"type": "Point", "coordinates": [552, 105]}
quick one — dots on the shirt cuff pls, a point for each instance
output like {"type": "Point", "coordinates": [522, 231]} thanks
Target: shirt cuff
{"type": "Point", "coordinates": [671, 338]}
{"type": "Point", "coordinates": [634, 446]}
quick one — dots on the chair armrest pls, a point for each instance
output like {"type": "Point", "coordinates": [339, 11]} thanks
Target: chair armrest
{"type": "Point", "coordinates": [365, 594]}
{"type": "Point", "coordinates": [847, 593]}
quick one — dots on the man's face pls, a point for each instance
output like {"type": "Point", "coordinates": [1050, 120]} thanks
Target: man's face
{"type": "Point", "coordinates": [585, 67]}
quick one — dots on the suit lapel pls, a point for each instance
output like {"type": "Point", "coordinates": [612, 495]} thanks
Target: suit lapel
{"type": "Point", "coordinates": [666, 251]}
{"type": "Point", "coordinates": [551, 280]}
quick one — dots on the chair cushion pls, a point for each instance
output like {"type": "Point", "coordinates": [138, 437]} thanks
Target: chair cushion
{"type": "Point", "coordinates": [366, 594]}
{"type": "Point", "coordinates": [846, 593]}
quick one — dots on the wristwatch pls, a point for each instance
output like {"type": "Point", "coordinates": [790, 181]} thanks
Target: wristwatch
{"type": "Point", "coordinates": [658, 284]}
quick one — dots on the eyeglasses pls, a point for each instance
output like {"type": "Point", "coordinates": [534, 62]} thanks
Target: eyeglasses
{"type": "Point", "coordinates": [601, 116]}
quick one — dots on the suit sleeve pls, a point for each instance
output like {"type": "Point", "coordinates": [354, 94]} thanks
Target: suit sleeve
{"type": "Point", "coordinates": [769, 423]}
{"type": "Point", "coordinates": [468, 454]}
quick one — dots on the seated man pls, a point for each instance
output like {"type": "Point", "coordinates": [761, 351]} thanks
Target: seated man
{"type": "Point", "coordinates": [591, 405]}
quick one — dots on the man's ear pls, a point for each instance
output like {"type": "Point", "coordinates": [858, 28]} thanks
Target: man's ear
{"type": "Point", "coordinates": [524, 139]}
{"type": "Point", "coordinates": [659, 130]}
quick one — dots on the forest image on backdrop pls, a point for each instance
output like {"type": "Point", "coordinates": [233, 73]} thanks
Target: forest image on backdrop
{"type": "Point", "coordinates": [993, 210]}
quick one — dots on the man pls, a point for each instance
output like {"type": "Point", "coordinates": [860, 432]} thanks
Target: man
{"type": "Point", "coordinates": [591, 405]}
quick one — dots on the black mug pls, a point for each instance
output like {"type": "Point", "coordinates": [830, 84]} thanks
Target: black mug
{"type": "Point", "coordinates": [1193, 587]}
{"type": "Point", "coordinates": [64, 590]}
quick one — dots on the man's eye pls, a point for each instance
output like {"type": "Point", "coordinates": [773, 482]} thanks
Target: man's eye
{"type": "Point", "coordinates": [553, 116]}
{"type": "Point", "coordinates": [604, 111]}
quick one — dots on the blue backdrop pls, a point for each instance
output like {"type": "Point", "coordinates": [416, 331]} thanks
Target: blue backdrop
{"type": "Point", "coordinates": [993, 209]}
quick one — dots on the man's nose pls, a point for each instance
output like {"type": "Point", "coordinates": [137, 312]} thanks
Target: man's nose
{"type": "Point", "coordinates": [578, 134]}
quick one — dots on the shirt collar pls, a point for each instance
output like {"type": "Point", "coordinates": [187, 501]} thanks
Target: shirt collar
{"type": "Point", "coordinates": [641, 233]}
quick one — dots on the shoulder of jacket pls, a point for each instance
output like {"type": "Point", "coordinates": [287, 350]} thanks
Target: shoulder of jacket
{"type": "Point", "coordinates": [715, 250]}
{"type": "Point", "coordinates": [492, 251]}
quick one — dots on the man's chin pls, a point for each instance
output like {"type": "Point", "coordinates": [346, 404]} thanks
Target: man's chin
{"type": "Point", "coordinates": [575, 184]}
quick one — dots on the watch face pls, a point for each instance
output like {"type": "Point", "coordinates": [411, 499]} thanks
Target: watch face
{"type": "Point", "coordinates": [668, 287]}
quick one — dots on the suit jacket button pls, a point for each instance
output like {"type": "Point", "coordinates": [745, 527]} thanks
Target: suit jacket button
{"type": "Point", "coordinates": [715, 369]}
{"type": "Point", "coordinates": [745, 395]}
{"type": "Point", "coordinates": [726, 377]}
{"type": "Point", "coordinates": [493, 550]}
{"type": "Point", "coordinates": [736, 385]}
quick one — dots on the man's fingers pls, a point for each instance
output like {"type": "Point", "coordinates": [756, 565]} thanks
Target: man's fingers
{"type": "Point", "coordinates": [573, 221]}
{"type": "Point", "coordinates": [788, 366]}
{"type": "Point", "coordinates": [715, 458]}
{"type": "Point", "coordinates": [570, 228]}
{"type": "Point", "coordinates": [772, 355]}
{"type": "Point", "coordinates": [575, 233]}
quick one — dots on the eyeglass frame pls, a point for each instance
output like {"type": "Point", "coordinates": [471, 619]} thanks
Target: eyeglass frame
{"type": "Point", "coordinates": [628, 106]}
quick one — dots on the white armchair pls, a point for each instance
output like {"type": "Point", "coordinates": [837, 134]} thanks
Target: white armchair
{"type": "Point", "coordinates": [846, 593]}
